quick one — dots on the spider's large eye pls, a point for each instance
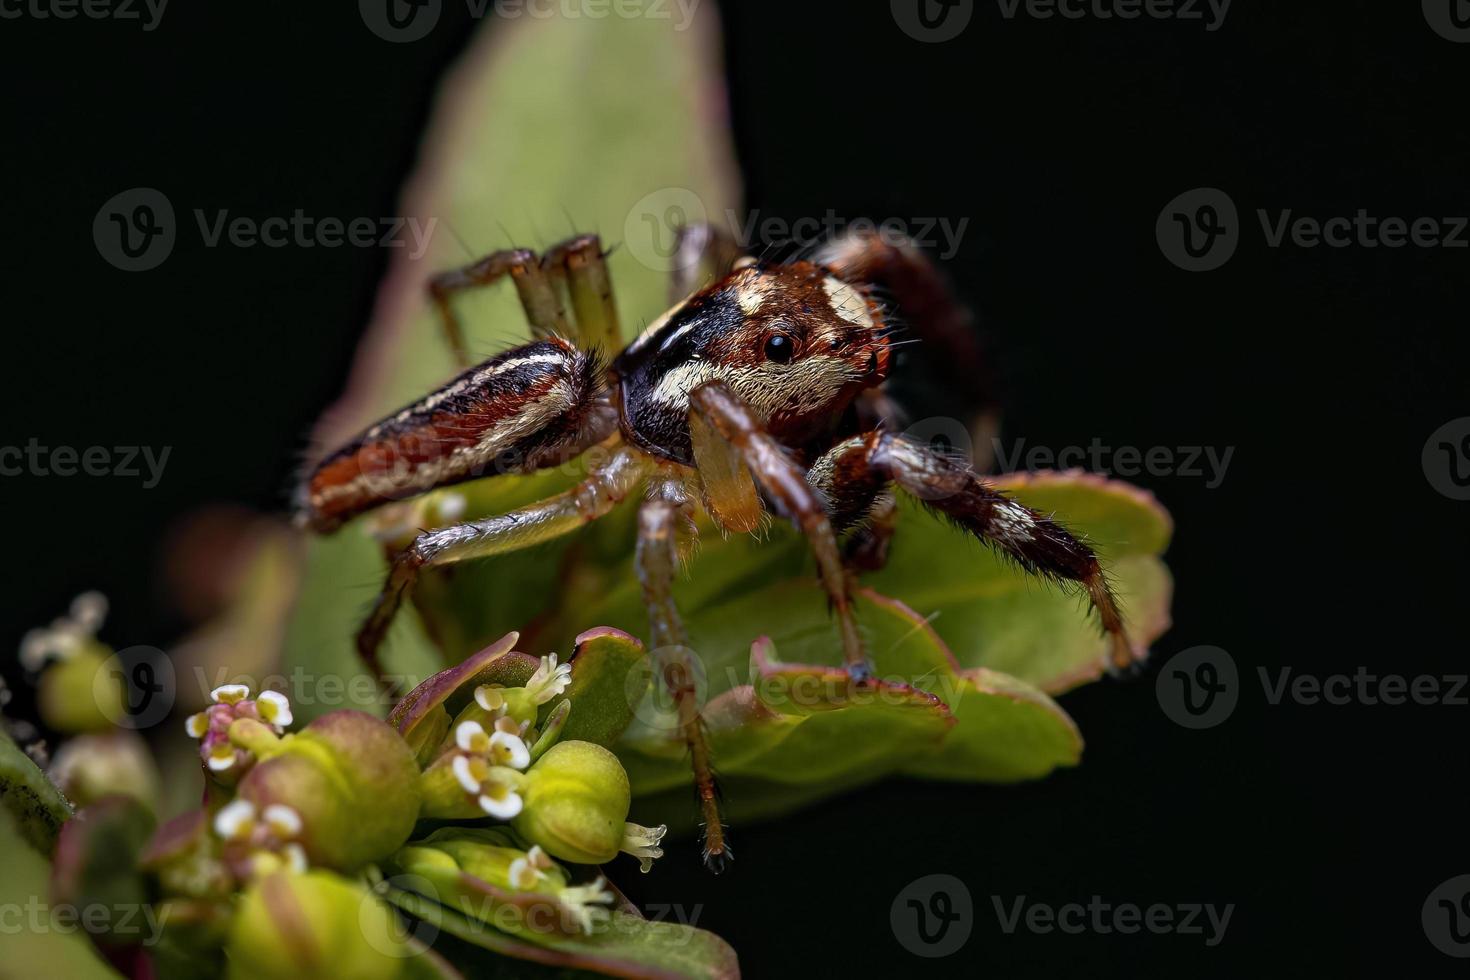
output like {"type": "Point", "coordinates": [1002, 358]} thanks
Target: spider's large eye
{"type": "Point", "coordinates": [779, 348]}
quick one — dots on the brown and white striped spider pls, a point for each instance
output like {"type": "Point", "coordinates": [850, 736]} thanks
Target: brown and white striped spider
{"type": "Point", "coordinates": [760, 390]}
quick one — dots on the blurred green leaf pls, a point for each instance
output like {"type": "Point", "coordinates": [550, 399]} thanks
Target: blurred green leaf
{"type": "Point", "coordinates": [37, 806]}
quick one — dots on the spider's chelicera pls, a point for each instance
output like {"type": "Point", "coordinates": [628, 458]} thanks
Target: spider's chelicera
{"type": "Point", "coordinates": [762, 390]}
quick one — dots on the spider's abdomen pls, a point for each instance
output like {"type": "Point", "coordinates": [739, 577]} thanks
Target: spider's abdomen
{"type": "Point", "coordinates": [518, 411]}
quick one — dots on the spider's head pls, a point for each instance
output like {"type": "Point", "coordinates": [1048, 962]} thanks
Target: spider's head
{"type": "Point", "coordinates": [793, 341]}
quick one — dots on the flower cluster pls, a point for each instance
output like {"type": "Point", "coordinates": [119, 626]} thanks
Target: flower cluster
{"type": "Point", "coordinates": [212, 725]}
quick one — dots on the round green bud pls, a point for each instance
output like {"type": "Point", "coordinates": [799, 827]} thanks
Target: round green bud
{"type": "Point", "coordinates": [313, 925]}
{"type": "Point", "coordinates": [353, 781]}
{"type": "Point", "coordinates": [576, 803]}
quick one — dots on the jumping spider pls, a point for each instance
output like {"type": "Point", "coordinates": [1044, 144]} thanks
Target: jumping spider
{"type": "Point", "coordinates": [762, 389]}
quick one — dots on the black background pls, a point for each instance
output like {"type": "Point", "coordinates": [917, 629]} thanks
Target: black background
{"type": "Point", "coordinates": [1325, 548]}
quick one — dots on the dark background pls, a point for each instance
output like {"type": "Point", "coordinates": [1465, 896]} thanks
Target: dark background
{"type": "Point", "coordinates": [1325, 548]}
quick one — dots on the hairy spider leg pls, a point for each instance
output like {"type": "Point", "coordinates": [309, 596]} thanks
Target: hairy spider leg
{"type": "Point", "coordinates": [656, 561]}
{"type": "Point", "coordinates": [785, 484]}
{"type": "Point", "coordinates": [580, 265]}
{"type": "Point", "coordinates": [857, 472]}
{"type": "Point", "coordinates": [544, 310]}
{"type": "Point", "coordinates": [557, 515]}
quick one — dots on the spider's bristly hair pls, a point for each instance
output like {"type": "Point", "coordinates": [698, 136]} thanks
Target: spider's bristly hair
{"type": "Point", "coordinates": [715, 834]}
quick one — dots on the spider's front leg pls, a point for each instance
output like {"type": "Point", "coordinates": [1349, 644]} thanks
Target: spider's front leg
{"type": "Point", "coordinates": [856, 473]}
{"type": "Point", "coordinates": [551, 518]}
{"type": "Point", "coordinates": [656, 560]}
{"type": "Point", "coordinates": [786, 485]}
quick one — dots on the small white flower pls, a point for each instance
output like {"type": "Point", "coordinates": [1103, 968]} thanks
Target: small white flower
{"type": "Point", "coordinates": [197, 725]}
{"type": "Point", "coordinates": [526, 872]}
{"type": "Point", "coordinates": [500, 800]}
{"type": "Point", "coordinates": [642, 843]}
{"type": "Point", "coordinates": [230, 693]}
{"type": "Point", "coordinates": [274, 709]}
{"type": "Point", "coordinates": [235, 820]}
{"type": "Point", "coordinates": [509, 750]}
{"type": "Point", "coordinates": [581, 901]}
{"type": "Point", "coordinates": [549, 680]}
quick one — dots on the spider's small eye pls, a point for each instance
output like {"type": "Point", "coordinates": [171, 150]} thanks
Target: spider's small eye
{"type": "Point", "coordinates": [779, 348]}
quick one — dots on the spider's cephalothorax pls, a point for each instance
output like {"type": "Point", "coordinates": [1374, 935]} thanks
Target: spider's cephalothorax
{"type": "Point", "coordinates": [793, 342]}
{"type": "Point", "coordinates": [761, 391]}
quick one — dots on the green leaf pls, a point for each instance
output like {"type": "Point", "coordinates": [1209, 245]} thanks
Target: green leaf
{"type": "Point", "coordinates": [626, 945]}
{"type": "Point", "coordinates": [36, 805]}
{"type": "Point", "coordinates": [994, 616]}
{"type": "Point", "coordinates": [526, 141]}
{"type": "Point", "coordinates": [25, 886]}
{"type": "Point", "coordinates": [603, 666]}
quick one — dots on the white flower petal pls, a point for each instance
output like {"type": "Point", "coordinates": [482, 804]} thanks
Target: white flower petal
{"type": "Point", "coordinates": [235, 819]}
{"type": "Point", "coordinates": [489, 698]}
{"type": "Point", "coordinates": [221, 758]}
{"type": "Point", "coordinates": [197, 725]}
{"type": "Point", "coordinates": [470, 736]}
{"type": "Point", "coordinates": [505, 808]}
{"type": "Point", "coordinates": [509, 750]}
{"type": "Point", "coordinates": [230, 693]}
{"type": "Point", "coordinates": [461, 767]}
{"type": "Point", "coordinates": [274, 708]}
{"type": "Point", "coordinates": [523, 875]}
{"type": "Point", "coordinates": [284, 821]}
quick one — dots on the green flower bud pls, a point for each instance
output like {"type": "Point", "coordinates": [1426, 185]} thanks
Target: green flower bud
{"type": "Point", "coordinates": [576, 800]}
{"type": "Point", "coordinates": [79, 691]}
{"type": "Point", "coordinates": [312, 925]}
{"type": "Point", "coordinates": [352, 780]}
{"type": "Point", "coordinates": [528, 892]}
